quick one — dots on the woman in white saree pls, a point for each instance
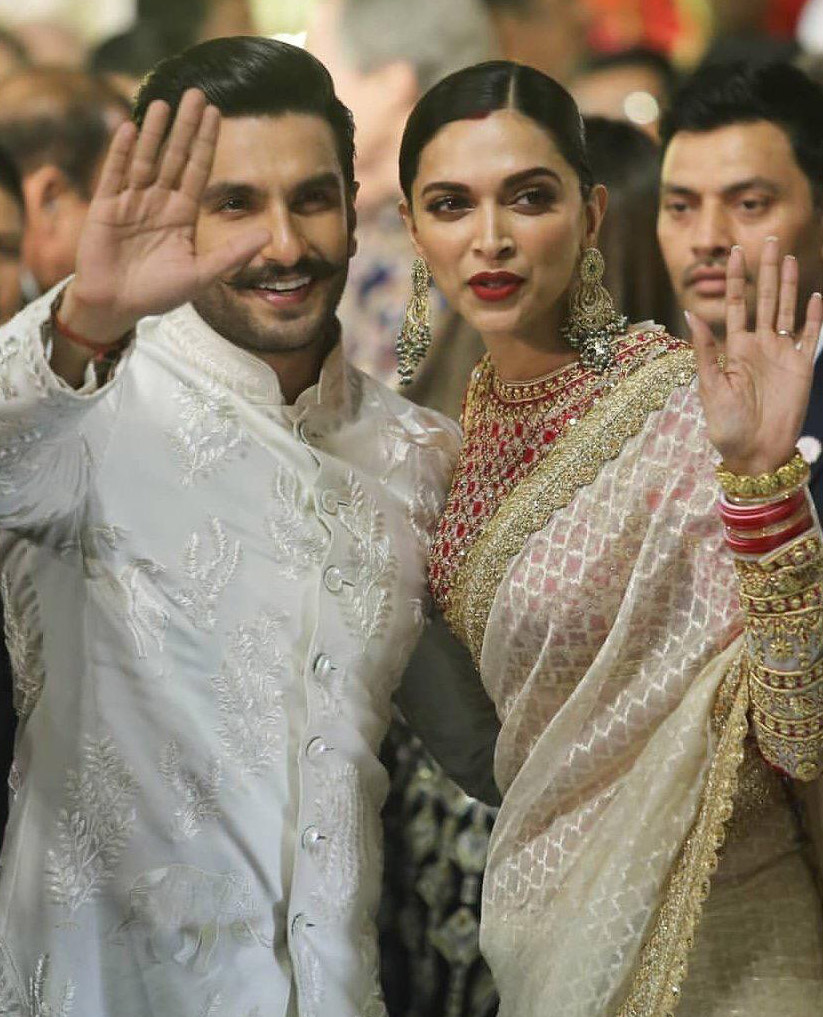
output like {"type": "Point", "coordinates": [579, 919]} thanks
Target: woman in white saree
{"type": "Point", "coordinates": [657, 673]}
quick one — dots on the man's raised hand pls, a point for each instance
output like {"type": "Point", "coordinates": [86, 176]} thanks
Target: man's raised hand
{"type": "Point", "coordinates": [755, 386]}
{"type": "Point", "coordinates": [136, 254]}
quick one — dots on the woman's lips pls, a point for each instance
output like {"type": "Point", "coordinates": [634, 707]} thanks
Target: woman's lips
{"type": "Point", "coordinates": [495, 286]}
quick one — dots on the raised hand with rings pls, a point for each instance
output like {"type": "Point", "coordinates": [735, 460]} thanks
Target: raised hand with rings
{"type": "Point", "coordinates": [755, 386]}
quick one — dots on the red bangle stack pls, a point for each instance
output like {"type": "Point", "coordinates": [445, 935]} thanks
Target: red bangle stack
{"type": "Point", "coordinates": [758, 529]}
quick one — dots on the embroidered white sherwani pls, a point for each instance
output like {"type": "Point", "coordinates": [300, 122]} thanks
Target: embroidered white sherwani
{"type": "Point", "coordinates": [210, 598]}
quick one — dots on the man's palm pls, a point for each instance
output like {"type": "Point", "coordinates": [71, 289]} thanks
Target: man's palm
{"type": "Point", "coordinates": [136, 254]}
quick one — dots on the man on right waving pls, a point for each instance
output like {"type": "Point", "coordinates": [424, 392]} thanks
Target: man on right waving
{"type": "Point", "coordinates": [742, 164]}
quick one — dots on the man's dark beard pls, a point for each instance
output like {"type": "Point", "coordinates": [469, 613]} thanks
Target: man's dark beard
{"type": "Point", "coordinates": [236, 324]}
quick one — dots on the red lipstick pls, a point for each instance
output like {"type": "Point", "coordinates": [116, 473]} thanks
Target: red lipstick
{"type": "Point", "coordinates": [494, 286]}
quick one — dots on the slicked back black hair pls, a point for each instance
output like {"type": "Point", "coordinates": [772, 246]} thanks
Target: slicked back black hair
{"type": "Point", "coordinates": [486, 88]}
{"type": "Point", "coordinates": [779, 93]}
{"type": "Point", "coordinates": [253, 76]}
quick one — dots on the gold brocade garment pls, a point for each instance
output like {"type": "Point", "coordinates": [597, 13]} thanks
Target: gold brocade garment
{"type": "Point", "coordinates": [600, 603]}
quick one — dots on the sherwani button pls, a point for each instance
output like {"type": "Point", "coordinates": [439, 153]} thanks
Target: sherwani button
{"type": "Point", "coordinates": [316, 747]}
{"type": "Point", "coordinates": [322, 666]}
{"type": "Point", "coordinates": [311, 837]}
{"type": "Point", "coordinates": [329, 502]}
{"type": "Point", "coordinates": [333, 579]}
{"type": "Point", "coordinates": [300, 923]}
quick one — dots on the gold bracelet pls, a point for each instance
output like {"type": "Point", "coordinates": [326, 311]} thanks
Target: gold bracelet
{"type": "Point", "coordinates": [785, 479]}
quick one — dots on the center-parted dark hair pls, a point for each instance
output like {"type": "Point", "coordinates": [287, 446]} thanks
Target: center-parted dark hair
{"type": "Point", "coordinates": [253, 76]}
{"type": "Point", "coordinates": [723, 95]}
{"type": "Point", "coordinates": [485, 88]}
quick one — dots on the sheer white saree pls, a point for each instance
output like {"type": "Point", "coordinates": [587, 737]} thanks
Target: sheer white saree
{"type": "Point", "coordinates": [601, 605]}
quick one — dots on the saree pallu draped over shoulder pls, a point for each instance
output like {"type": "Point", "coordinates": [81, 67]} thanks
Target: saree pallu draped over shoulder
{"type": "Point", "coordinates": [601, 606]}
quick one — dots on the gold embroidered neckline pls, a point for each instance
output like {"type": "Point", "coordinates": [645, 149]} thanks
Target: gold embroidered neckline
{"type": "Point", "coordinates": [532, 388]}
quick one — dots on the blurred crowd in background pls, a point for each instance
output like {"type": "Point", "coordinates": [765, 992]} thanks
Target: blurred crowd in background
{"type": "Point", "coordinates": [68, 69]}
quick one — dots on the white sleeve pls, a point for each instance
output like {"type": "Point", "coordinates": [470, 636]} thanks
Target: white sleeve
{"type": "Point", "coordinates": [44, 451]}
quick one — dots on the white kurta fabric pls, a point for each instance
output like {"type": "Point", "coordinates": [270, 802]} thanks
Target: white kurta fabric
{"type": "Point", "coordinates": [210, 598]}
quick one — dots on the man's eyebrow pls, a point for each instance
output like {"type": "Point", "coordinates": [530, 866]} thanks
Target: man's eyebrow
{"type": "Point", "coordinates": [510, 181]}
{"type": "Point", "coordinates": [680, 189]}
{"type": "Point", "coordinates": [751, 184]}
{"type": "Point", "coordinates": [320, 180]}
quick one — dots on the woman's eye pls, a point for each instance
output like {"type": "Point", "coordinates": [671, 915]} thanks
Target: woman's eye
{"type": "Point", "coordinates": [534, 197]}
{"type": "Point", "coordinates": [232, 205]}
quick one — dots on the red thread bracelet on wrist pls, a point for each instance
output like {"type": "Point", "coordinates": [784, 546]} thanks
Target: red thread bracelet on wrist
{"type": "Point", "coordinates": [100, 352]}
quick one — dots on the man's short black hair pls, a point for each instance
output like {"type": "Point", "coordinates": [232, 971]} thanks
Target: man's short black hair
{"type": "Point", "coordinates": [253, 76]}
{"type": "Point", "coordinates": [779, 93]}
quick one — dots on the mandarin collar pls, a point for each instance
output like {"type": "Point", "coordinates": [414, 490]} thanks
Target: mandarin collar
{"type": "Point", "coordinates": [248, 376]}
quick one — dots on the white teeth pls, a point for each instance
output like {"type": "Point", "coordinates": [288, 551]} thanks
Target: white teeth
{"type": "Point", "coordinates": [286, 287]}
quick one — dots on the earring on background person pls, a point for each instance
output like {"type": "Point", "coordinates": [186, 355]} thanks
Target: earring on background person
{"type": "Point", "coordinates": [593, 321]}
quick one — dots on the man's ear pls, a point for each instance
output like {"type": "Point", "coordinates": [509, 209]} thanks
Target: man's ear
{"type": "Point", "coordinates": [411, 228]}
{"type": "Point", "coordinates": [43, 190]}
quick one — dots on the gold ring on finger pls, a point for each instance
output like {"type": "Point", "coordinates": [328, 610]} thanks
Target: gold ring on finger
{"type": "Point", "coordinates": [785, 333]}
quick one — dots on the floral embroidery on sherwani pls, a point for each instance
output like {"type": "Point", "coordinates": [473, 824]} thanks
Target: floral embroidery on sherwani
{"type": "Point", "coordinates": [225, 587]}
{"type": "Point", "coordinates": [299, 542]}
{"type": "Point", "coordinates": [25, 645]}
{"type": "Point", "coordinates": [250, 694]}
{"type": "Point", "coordinates": [39, 997]}
{"type": "Point", "coordinates": [209, 431]}
{"type": "Point", "coordinates": [208, 579]}
{"type": "Point", "coordinates": [94, 827]}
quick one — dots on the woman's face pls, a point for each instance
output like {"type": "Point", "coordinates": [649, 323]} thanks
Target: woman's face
{"type": "Point", "coordinates": [498, 215]}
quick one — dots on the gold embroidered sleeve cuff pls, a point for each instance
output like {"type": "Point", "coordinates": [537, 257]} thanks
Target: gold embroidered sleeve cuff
{"type": "Point", "coordinates": [782, 597]}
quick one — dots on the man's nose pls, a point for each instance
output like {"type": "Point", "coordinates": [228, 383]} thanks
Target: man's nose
{"type": "Point", "coordinates": [712, 236]}
{"type": "Point", "coordinates": [287, 244]}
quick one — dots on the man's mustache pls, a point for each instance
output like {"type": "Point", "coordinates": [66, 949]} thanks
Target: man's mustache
{"type": "Point", "coordinates": [710, 263]}
{"type": "Point", "coordinates": [264, 275]}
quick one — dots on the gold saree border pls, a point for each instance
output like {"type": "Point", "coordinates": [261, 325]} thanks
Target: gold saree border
{"type": "Point", "coordinates": [658, 975]}
{"type": "Point", "coordinates": [573, 462]}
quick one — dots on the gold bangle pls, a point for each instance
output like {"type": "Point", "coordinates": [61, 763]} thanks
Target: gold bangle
{"type": "Point", "coordinates": [784, 480]}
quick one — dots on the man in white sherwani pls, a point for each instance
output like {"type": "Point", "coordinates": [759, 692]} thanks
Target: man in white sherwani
{"type": "Point", "coordinates": [214, 571]}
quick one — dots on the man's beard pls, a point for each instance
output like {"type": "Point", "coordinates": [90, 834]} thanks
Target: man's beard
{"type": "Point", "coordinates": [229, 314]}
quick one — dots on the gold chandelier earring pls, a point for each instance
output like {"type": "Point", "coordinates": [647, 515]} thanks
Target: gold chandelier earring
{"type": "Point", "coordinates": [593, 321]}
{"type": "Point", "coordinates": [416, 335]}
